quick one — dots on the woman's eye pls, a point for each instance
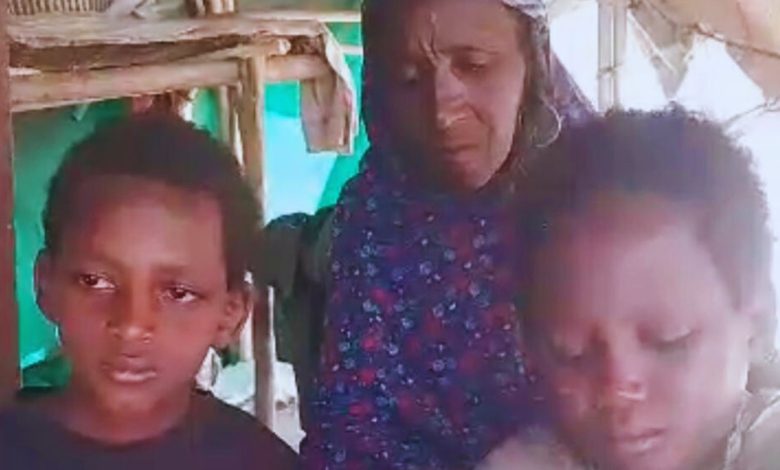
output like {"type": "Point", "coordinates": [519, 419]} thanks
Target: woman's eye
{"type": "Point", "coordinates": [95, 282]}
{"type": "Point", "coordinates": [473, 63]}
{"type": "Point", "coordinates": [181, 295]}
{"type": "Point", "coordinates": [474, 67]}
{"type": "Point", "coordinates": [409, 75]}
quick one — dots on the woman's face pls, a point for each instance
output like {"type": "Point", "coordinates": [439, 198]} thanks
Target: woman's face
{"type": "Point", "coordinates": [453, 73]}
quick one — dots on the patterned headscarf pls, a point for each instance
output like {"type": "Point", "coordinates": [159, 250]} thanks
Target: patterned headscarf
{"type": "Point", "coordinates": [421, 367]}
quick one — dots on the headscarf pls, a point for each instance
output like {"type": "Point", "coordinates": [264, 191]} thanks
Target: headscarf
{"type": "Point", "coordinates": [421, 367]}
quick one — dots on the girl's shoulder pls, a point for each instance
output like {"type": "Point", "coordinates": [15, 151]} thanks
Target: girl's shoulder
{"type": "Point", "coordinates": [532, 449]}
{"type": "Point", "coordinates": [759, 433]}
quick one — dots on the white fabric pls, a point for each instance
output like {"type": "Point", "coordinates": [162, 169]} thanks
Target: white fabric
{"type": "Point", "coordinates": [752, 23]}
{"type": "Point", "coordinates": [328, 103]}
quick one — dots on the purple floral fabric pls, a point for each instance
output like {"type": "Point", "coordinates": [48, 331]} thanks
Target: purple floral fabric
{"type": "Point", "coordinates": [421, 367]}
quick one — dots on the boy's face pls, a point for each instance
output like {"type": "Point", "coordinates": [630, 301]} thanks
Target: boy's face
{"type": "Point", "coordinates": [139, 292]}
{"type": "Point", "coordinates": [639, 344]}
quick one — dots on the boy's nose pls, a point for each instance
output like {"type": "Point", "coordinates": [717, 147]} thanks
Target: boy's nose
{"type": "Point", "coordinates": [622, 385]}
{"type": "Point", "coordinates": [134, 318]}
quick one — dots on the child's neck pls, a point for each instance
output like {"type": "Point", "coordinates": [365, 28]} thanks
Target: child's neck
{"type": "Point", "coordinates": [78, 412]}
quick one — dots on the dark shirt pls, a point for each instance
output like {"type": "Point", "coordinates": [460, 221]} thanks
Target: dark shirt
{"type": "Point", "coordinates": [212, 436]}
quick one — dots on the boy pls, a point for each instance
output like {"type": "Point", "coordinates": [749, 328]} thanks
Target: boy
{"type": "Point", "coordinates": [649, 295]}
{"type": "Point", "coordinates": [148, 229]}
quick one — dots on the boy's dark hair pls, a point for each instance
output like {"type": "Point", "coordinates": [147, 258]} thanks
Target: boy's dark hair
{"type": "Point", "coordinates": [672, 154]}
{"type": "Point", "coordinates": [166, 149]}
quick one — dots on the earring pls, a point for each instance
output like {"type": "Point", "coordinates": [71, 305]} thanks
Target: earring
{"type": "Point", "coordinates": [546, 125]}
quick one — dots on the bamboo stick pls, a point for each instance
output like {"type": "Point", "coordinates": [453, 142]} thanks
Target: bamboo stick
{"type": "Point", "coordinates": [223, 99]}
{"type": "Point", "coordinates": [612, 25]}
{"type": "Point", "coordinates": [335, 16]}
{"type": "Point", "coordinates": [606, 40]}
{"type": "Point", "coordinates": [49, 90]}
{"type": "Point", "coordinates": [233, 121]}
{"type": "Point", "coordinates": [250, 120]}
{"type": "Point", "coordinates": [9, 319]}
{"type": "Point", "coordinates": [214, 7]}
{"type": "Point", "coordinates": [223, 105]}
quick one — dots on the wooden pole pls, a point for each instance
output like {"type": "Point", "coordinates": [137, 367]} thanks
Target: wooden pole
{"type": "Point", "coordinates": [606, 40]}
{"type": "Point", "coordinates": [613, 24]}
{"type": "Point", "coordinates": [250, 120]}
{"type": "Point", "coordinates": [620, 27]}
{"type": "Point", "coordinates": [9, 323]}
{"type": "Point", "coordinates": [48, 90]}
{"type": "Point", "coordinates": [226, 111]}
{"type": "Point", "coordinates": [335, 16]}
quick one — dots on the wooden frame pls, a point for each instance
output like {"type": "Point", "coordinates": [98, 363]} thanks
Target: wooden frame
{"type": "Point", "coordinates": [335, 16]}
{"type": "Point", "coordinates": [161, 57]}
{"type": "Point", "coordinates": [9, 331]}
{"type": "Point", "coordinates": [35, 91]}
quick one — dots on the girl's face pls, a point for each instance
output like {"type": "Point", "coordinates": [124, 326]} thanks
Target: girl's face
{"type": "Point", "coordinates": [639, 342]}
{"type": "Point", "coordinates": [453, 73]}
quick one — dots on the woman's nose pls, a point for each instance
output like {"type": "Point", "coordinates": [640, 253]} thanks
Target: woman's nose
{"type": "Point", "coordinates": [449, 93]}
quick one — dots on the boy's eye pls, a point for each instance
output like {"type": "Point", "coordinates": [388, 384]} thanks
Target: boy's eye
{"type": "Point", "coordinates": [674, 344]}
{"type": "Point", "coordinates": [95, 282]}
{"type": "Point", "coordinates": [181, 294]}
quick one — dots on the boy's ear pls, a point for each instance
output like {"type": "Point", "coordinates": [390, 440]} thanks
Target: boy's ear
{"type": "Point", "coordinates": [241, 299]}
{"type": "Point", "coordinates": [762, 317]}
{"type": "Point", "coordinates": [44, 285]}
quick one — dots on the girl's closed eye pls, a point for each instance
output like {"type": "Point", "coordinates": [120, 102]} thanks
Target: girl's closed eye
{"type": "Point", "coordinates": [672, 343]}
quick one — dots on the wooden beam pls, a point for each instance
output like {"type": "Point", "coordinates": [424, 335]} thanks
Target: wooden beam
{"type": "Point", "coordinates": [9, 323]}
{"type": "Point", "coordinates": [343, 16]}
{"type": "Point", "coordinates": [60, 44]}
{"type": "Point", "coordinates": [49, 90]}
{"type": "Point", "coordinates": [251, 106]}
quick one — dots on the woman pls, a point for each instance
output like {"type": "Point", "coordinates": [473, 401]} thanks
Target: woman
{"type": "Point", "coordinates": [420, 365]}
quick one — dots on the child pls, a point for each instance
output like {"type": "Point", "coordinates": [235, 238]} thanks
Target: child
{"type": "Point", "coordinates": [649, 294]}
{"type": "Point", "coordinates": [147, 235]}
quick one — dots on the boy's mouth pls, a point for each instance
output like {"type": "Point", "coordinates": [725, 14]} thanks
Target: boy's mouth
{"type": "Point", "coordinates": [129, 372]}
{"type": "Point", "coordinates": [635, 443]}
